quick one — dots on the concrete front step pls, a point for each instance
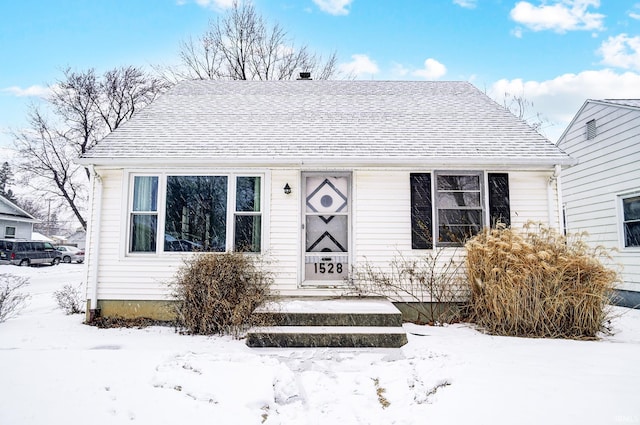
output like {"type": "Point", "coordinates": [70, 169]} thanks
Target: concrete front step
{"type": "Point", "coordinates": [327, 336]}
{"type": "Point", "coordinates": [328, 322]}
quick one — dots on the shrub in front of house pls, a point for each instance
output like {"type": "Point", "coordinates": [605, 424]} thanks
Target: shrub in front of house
{"type": "Point", "coordinates": [70, 299]}
{"type": "Point", "coordinates": [538, 283]}
{"type": "Point", "coordinates": [11, 299]}
{"type": "Point", "coordinates": [428, 288]}
{"type": "Point", "coordinates": [216, 293]}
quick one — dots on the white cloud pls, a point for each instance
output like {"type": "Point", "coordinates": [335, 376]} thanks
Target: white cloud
{"type": "Point", "coordinates": [399, 71]}
{"type": "Point", "coordinates": [361, 65]}
{"type": "Point", "coordinates": [560, 98]}
{"type": "Point", "coordinates": [432, 70]}
{"type": "Point", "coordinates": [621, 51]}
{"type": "Point", "coordinates": [561, 16]}
{"type": "Point", "coordinates": [634, 13]}
{"type": "Point", "coordinates": [334, 7]}
{"type": "Point", "coordinates": [468, 4]}
{"type": "Point", "coordinates": [209, 4]}
{"type": "Point", "coordinates": [38, 91]}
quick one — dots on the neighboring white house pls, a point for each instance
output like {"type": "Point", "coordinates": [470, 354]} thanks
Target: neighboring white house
{"type": "Point", "coordinates": [15, 223]}
{"type": "Point", "coordinates": [317, 175]}
{"type": "Point", "coordinates": [602, 192]}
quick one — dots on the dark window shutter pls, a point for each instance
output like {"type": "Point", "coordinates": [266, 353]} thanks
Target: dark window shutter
{"type": "Point", "coordinates": [499, 210]}
{"type": "Point", "coordinates": [421, 215]}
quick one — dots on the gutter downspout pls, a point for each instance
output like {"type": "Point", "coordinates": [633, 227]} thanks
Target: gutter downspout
{"type": "Point", "coordinates": [556, 174]}
{"type": "Point", "coordinates": [555, 178]}
{"type": "Point", "coordinates": [94, 235]}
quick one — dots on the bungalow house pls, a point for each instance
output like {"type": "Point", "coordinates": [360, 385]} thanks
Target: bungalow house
{"type": "Point", "coordinates": [317, 175]}
{"type": "Point", "coordinates": [602, 192]}
{"type": "Point", "coordinates": [15, 223]}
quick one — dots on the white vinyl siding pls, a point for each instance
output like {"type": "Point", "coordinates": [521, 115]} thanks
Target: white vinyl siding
{"type": "Point", "coordinates": [381, 229]}
{"type": "Point", "coordinates": [607, 171]}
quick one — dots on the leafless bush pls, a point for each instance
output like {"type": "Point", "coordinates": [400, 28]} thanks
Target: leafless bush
{"type": "Point", "coordinates": [11, 301]}
{"type": "Point", "coordinates": [538, 283]}
{"type": "Point", "coordinates": [70, 299]}
{"type": "Point", "coordinates": [429, 286]}
{"type": "Point", "coordinates": [216, 293]}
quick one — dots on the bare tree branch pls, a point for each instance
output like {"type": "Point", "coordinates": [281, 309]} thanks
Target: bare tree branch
{"type": "Point", "coordinates": [243, 46]}
{"type": "Point", "coordinates": [48, 163]}
{"type": "Point", "coordinates": [86, 108]}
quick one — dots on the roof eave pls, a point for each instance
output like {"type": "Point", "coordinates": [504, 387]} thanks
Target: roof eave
{"type": "Point", "coordinates": [415, 161]}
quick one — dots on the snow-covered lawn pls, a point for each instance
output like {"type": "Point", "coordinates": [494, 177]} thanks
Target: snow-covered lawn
{"type": "Point", "coordinates": [55, 370]}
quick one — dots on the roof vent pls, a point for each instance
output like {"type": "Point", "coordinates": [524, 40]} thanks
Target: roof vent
{"type": "Point", "coordinates": [305, 76]}
{"type": "Point", "coordinates": [592, 130]}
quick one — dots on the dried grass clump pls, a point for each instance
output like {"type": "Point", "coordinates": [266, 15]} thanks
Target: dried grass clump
{"type": "Point", "coordinates": [538, 283]}
{"type": "Point", "coordinates": [216, 293]}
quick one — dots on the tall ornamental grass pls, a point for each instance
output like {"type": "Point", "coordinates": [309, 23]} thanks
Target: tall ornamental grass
{"type": "Point", "coordinates": [538, 283]}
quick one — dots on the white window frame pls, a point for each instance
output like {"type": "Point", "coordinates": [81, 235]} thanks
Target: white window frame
{"type": "Point", "coordinates": [484, 211]}
{"type": "Point", "coordinates": [131, 213]}
{"type": "Point", "coordinates": [620, 219]}
{"type": "Point", "coordinates": [231, 212]}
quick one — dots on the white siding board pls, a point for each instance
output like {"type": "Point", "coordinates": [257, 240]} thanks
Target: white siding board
{"type": "Point", "coordinates": [380, 213]}
{"type": "Point", "coordinates": [529, 198]}
{"type": "Point", "coordinates": [284, 228]}
{"type": "Point", "coordinates": [608, 167]}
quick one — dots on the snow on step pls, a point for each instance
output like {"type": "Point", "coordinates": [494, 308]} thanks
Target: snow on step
{"type": "Point", "coordinates": [330, 305]}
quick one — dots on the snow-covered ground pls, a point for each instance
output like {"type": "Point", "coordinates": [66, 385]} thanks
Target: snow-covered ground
{"type": "Point", "coordinates": [55, 370]}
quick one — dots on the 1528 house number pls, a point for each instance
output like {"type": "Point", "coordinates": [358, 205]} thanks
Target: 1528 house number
{"type": "Point", "coordinates": [328, 268]}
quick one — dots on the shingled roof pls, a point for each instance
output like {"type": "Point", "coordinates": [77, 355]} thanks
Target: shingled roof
{"type": "Point", "coordinates": [325, 122]}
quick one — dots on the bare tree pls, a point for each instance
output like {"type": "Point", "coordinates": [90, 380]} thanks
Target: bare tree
{"type": "Point", "coordinates": [242, 46]}
{"type": "Point", "coordinates": [519, 106]}
{"type": "Point", "coordinates": [86, 108]}
{"type": "Point", "coordinates": [47, 165]}
{"type": "Point", "coordinates": [90, 107]}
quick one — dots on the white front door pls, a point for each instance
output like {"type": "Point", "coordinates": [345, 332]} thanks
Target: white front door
{"type": "Point", "coordinates": [326, 225]}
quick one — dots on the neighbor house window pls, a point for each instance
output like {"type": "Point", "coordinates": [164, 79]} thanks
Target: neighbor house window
{"type": "Point", "coordinates": [200, 213]}
{"type": "Point", "coordinates": [144, 214]}
{"type": "Point", "coordinates": [452, 206]}
{"type": "Point", "coordinates": [10, 232]}
{"type": "Point", "coordinates": [631, 221]}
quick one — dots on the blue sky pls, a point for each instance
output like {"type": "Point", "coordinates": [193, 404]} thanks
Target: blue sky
{"type": "Point", "coordinates": [557, 53]}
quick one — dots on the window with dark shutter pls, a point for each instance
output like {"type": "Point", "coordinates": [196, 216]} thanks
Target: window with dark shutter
{"type": "Point", "coordinates": [499, 210]}
{"type": "Point", "coordinates": [421, 214]}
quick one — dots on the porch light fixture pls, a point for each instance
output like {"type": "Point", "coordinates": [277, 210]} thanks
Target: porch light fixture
{"type": "Point", "coordinates": [287, 189]}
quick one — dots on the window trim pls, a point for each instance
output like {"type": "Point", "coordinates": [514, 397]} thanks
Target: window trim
{"type": "Point", "coordinates": [620, 220]}
{"type": "Point", "coordinates": [162, 176]}
{"type": "Point", "coordinates": [485, 201]}
{"type": "Point", "coordinates": [482, 179]}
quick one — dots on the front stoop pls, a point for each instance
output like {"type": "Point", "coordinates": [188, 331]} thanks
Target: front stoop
{"type": "Point", "coordinates": [328, 322]}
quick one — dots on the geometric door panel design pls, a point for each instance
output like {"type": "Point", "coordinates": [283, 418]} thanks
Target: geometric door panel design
{"type": "Point", "coordinates": [326, 225]}
{"type": "Point", "coordinates": [327, 194]}
{"type": "Point", "coordinates": [326, 236]}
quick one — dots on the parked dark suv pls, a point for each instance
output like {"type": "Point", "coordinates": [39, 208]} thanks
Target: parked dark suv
{"type": "Point", "coordinates": [27, 253]}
